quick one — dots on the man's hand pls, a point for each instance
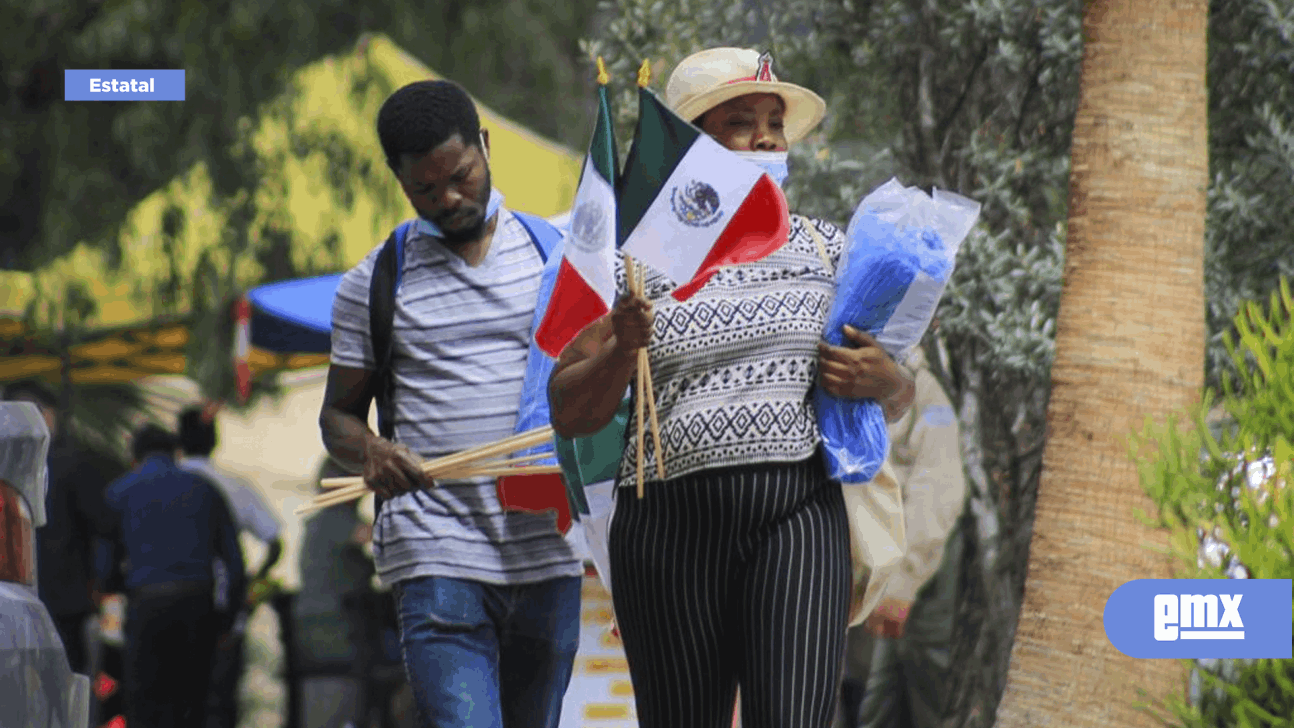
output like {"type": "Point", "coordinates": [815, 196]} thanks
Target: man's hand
{"type": "Point", "coordinates": [864, 371]}
{"type": "Point", "coordinates": [631, 323]}
{"type": "Point", "coordinates": [362, 534]}
{"type": "Point", "coordinates": [391, 469]}
{"type": "Point", "coordinates": [889, 618]}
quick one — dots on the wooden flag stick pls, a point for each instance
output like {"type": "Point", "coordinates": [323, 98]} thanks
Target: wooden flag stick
{"type": "Point", "coordinates": [449, 463]}
{"type": "Point", "coordinates": [522, 441]}
{"type": "Point", "coordinates": [633, 282]}
{"type": "Point", "coordinates": [640, 394]}
{"type": "Point", "coordinates": [644, 362]}
{"type": "Point", "coordinates": [336, 497]}
{"type": "Point", "coordinates": [359, 490]}
{"type": "Point", "coordinates": [333, 483]}
{"type": "Point", "coordinates": [505, 471]}
{"type": "Point", "coordinates": [635, 275]}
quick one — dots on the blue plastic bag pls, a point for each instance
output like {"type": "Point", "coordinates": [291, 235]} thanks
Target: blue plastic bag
{"type": "Point", "coordinates": [533, 411]}
{"type": "Point", "coordinates": [900, 254]}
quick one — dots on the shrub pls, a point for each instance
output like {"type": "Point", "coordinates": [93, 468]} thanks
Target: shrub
{"type": "Point", "coordinates": [1224, 493]}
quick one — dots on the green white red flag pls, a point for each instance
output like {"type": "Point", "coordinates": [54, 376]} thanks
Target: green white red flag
{"type": "Point", "coordinates": [689, 206]}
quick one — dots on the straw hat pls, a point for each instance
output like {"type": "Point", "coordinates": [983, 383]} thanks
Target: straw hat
{"type": "Point", "coordinates": [711, 77]}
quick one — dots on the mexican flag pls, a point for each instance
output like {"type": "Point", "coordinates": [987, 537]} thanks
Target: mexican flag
{"type": "Point", "coordinates": [576, 288]}
{"type": "Point", "coordinates": [688, 205]}
{"type": "Point", "coordinates": [585, 288]}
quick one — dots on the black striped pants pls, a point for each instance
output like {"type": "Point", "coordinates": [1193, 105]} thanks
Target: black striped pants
{"type": "Point", "coordinates": [733, 576]}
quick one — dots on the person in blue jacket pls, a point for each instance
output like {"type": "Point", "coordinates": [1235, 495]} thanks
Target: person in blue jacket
{"type": "Point", "coordinates": [171, 527]}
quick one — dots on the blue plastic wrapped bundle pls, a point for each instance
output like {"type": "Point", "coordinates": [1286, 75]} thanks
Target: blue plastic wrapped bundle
{"type": "Point", "coordinates": [901, 249]}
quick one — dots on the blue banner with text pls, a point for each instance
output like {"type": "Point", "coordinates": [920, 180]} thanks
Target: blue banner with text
{"type": "Point", "coordinates": [122, 85]}
{"type": "Point", "coordinates": [1202, 618]}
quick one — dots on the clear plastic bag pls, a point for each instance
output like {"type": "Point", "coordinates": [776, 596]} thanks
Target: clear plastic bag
{"type": "Point", "coordinates": [24, 445]}
{"type": "Point", "coordinates": [902, 244]}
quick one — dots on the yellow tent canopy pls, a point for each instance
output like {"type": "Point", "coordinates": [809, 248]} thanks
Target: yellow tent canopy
{"type": "Point", "coordinates": [129, 334]}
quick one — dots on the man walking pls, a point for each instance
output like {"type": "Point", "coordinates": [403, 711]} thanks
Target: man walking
{"type": "Point", "coordinates": [173, 525]}
{"type": "Point", "coordinates": [899, 659]}
{"type": "Point", "coordinates": [252, 516]}
{"type": "Point", "coordinates": [488, 599]}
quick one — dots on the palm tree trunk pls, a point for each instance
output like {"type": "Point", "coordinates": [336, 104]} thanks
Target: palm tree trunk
{"type": "Point", "coordinates": [1129, 343]}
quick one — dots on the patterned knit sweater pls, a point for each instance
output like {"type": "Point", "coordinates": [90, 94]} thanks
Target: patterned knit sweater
{"type": "Point", "coordinates": [733, 366]}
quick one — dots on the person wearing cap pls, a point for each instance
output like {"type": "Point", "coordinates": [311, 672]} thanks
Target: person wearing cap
{"type": "Point", "coordinates": [334, 567]}
{"type": "Point", "coordinates": [736, 569]}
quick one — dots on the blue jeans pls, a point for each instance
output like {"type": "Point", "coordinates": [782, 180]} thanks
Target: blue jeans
{"type": "Point", "coordinates": [485, 656]}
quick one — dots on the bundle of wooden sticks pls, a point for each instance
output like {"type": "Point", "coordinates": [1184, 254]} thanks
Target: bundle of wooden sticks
{"type": "Point", "coordinates": [485, 459]}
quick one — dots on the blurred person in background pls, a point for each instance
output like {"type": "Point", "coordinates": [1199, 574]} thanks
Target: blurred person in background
{"type": "Point", "coordinates": [898, 660]}
{"type": "Point", "coordinates": [334, 566]}
{"type": "Point", "coordinates": [75, 515]}
{"type": "Point", "coordinates": [172, 525]}
{"type": "Point", "coordinates": [253, 516]}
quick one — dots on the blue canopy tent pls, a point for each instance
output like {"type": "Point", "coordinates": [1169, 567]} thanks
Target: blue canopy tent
{"type": "Point", "coordinates": [294, 316]}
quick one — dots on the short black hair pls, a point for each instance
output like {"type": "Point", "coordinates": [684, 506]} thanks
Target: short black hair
{"type": "Point", "coordinates": [197, 434]}
{"type": "Point", "coordinates": [32, 390]}
{"type": "Point", "coordinates": [151, 439]}
{"type": "Point", "coordinates": [423, 115]}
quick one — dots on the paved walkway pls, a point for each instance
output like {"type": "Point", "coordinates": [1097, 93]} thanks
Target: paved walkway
{"type": "Point", "coordinates": [600, 695]}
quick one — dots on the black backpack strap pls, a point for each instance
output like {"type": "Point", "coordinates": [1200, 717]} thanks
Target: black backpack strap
{"type": "Point", "coordinates": [382, 288]}
{"type": "Point", "coordinates": [381, 321]}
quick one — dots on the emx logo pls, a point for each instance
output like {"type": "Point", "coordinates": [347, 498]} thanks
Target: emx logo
{"type": "Point", "coordinates": [1176, 614]}
{"type": "Point", "coordinates": [1202, 618]}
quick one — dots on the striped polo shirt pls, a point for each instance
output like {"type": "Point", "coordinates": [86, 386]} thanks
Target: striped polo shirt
{"type": "Point", "coordinates": [461, 336]}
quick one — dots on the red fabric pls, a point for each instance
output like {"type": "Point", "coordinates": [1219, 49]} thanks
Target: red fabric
{"type": "Point", "coordinates": [763, 73]}
{"type": "Point", "coordinates": [17, 540]}
{"type": "Point", "coordinates": [760, 226]}
{"type": "Point", "coordinates": [573, 306]}
{"type": "Point", "coordinates": [104, 687]}
{"type": "Point", "coordinates": [536, 494]}
{"type": "Point", "coordinates": [242, 366]}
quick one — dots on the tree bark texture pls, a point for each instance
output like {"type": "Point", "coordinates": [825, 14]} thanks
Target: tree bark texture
{"type": "Point", "coordinates": [1130, 343]}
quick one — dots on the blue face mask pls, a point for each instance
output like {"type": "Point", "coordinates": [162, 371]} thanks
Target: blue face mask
{"type": "Point", "coordinates": [427, 227]}
{"type": "Point", "coordinates": [772, 162]}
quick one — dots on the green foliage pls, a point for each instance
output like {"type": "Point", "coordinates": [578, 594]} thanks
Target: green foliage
{"type": "Point", "coordinates": [71, 174]}
{"type": "Point", "coordinates": [99, 159]}
{"type": "Point", "coordinates": [1250, 229]}
{"type": "Point", "coordinates": [101, 416]}
{"type": "Point", "coordinates": [1227, 502]}
{"type": "Point", "coordinates": [1264, 361]}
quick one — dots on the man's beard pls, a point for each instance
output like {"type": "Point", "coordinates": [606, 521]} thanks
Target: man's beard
{"type": "Point", "coordinates": [473, 232]}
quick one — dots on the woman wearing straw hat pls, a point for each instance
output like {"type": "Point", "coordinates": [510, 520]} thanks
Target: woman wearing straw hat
{"type": "Point", "coordinates": [736, 568]}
